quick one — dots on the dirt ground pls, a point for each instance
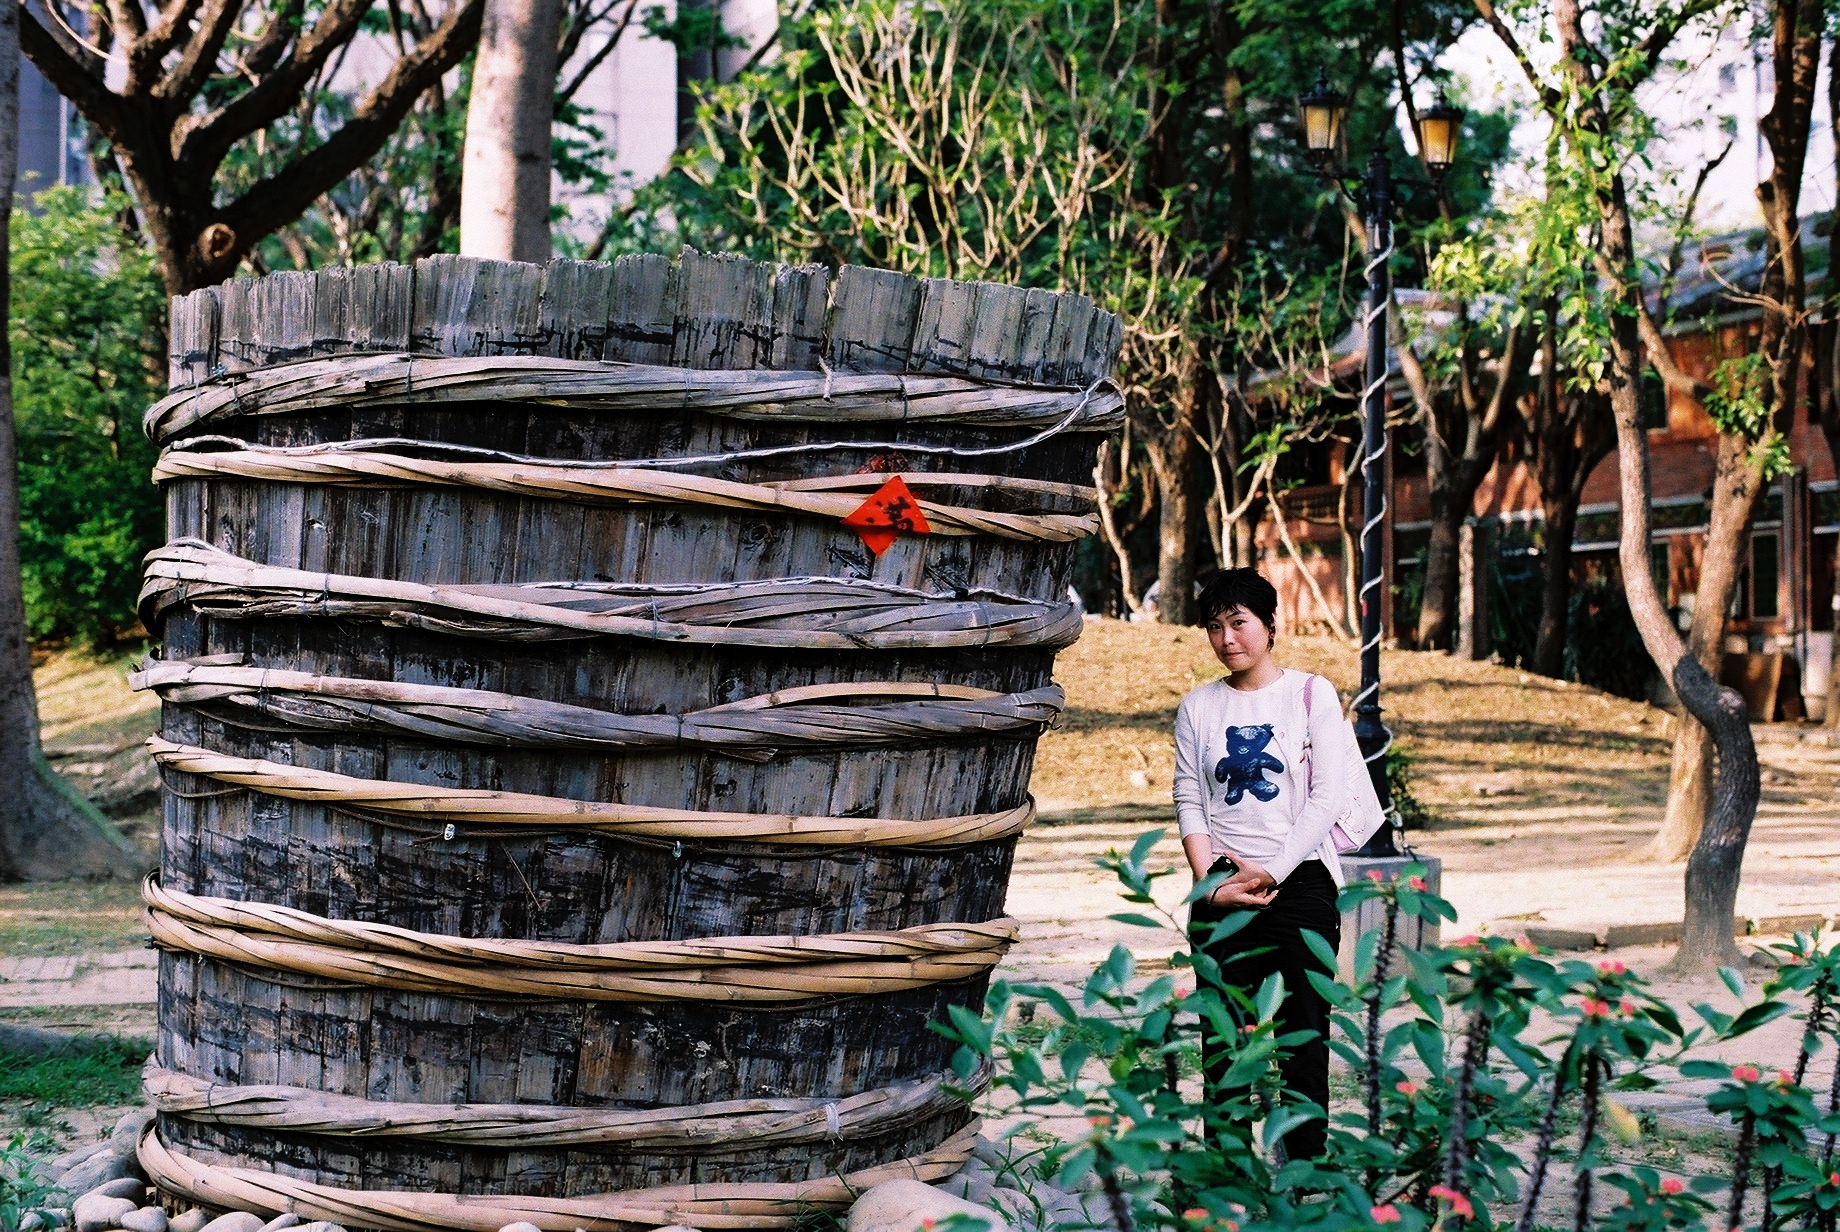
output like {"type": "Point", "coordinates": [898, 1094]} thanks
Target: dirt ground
{"type": "Point", "coordinates": [1542, 794]}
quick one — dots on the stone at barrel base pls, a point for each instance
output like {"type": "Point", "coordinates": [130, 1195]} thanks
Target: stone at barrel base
{"type": "Point", "coordinates": [99, 1169]}
{"type": "Point", "coordinates": [125, 1187]}
{"type": "Point", "coordinates": [147, 1219]}
{"type": "Point", "coordinates": [289, 1220]}
{"type": "Point", "coordinates": [99, 1212]}
{"type": "Point", "coordinates": [125, 1138]}
{"type": "Point", "coordinates": [520, 1226]}
{"type": "Point", "coordinates": [973, 1182]}
{"type": "Point", "coordinates": [235, 1221]}
{"type": "Point", "coordinates": [320, 1225]}
{"type": "Point", "coordinates": [908, 1206]}
{"type": "Point", "coordinates": [55, 1167]}
{"type": "Point", "coordinates": [193, 1220]}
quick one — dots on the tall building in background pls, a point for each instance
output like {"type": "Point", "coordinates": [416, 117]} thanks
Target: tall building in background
{"type": "Point", "coordinates": [50, 132]}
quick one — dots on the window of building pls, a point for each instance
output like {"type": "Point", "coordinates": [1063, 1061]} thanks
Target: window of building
{"type": "Point", "coordinates": [1728, 79]}
{"type": "Point", "coordinates": [1654, 401]}
{"type": "Point", "coordinates": [1765, 574]}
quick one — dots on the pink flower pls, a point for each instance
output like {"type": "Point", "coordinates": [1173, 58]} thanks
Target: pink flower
{"type": "Point", "coordinates": [1833, 1178]}
{"type": "Point", "coordinates": [1611, 966]}
{"type": "Point", "coordinates": [1459, 1205]}
{"type": "Point", "coordinates": [1673, 1185]}
{"type": "Point", "coordinates": [1745, 1073]}
{"type": "Point", "coordinates": [1407, 1088]}
{"type": "Point", "coordinates": [1376, 876]}
{"type": "Point", "coordinates": [1462, 942]}
{"type": "Point", "coordinates": [1386, 1212]}
{"type": "Point", "coordinates": [1626, 1008]}
{"type": "Point", "coordinates": [1784, 1079]}
{"type": "Point", "coordinates": [1099, 1120]}
{"type": "Point", "coordinates": [1195, 1214]}
{"type": "Point", "coordinates": [1593, 1008]}
{"type": "Point", "coordinates": [1418, 883]}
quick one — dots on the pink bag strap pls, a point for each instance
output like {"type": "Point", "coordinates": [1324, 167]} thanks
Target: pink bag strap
{"type": "Point", "coordinates": [1309, 759]}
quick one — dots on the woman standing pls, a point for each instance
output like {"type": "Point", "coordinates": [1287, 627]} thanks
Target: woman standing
{"type": "Point", "coordinates": [1262, 778]}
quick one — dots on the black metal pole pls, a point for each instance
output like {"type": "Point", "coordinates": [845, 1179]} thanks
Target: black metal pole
{"type": "Point", "coordinates": [1371, 733]}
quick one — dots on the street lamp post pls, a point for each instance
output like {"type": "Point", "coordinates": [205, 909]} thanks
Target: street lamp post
{"type": "Point", "coordinates": [1324, 111]}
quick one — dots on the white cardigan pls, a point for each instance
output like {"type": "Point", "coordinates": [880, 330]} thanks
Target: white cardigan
{"type": "Point", "coordinates": [1215, 765]}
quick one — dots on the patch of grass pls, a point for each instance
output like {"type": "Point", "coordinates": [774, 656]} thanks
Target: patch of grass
{"type": "Point", "coordinates": [48, 919]}
{"type": "Point", "coordinates": [89, 1071]}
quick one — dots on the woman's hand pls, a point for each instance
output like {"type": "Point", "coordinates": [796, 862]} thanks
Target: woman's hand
{"type": "Point", "coordinates": [1252, 877]}
{"type": "Point", "coordinates": [1233, 894]}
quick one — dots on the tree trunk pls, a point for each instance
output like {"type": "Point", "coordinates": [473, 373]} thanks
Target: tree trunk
{"type": "Point", "coordinates": [1437, 617]}
{"type": "Point", "coordinates": [504, 182]}
{"type": "Point", "coordinates": [1712, 871]}
{"type": "Point", "coordinates": [47, 830]}
{"type": "Point", "coordinates": [1561, 513]}
{"type": "Point", "coordinates": [1175, 456]}
{"type": "Point", "coordinates": [1735, 487]}
{"type": "Point", "coordinates": [1172, 460]}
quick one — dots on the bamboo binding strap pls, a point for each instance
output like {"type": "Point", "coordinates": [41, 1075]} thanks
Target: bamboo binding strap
{"type": "Point", "coordinates": [536, 477]}
{"type": "Point", "coordinates": [753, 728]}
{"type": "Point", "coordinates": [710, 1127]}
{"type": "Point", "coordinates": [717, 1207]}
{"type": "Point", "coordinates": [720, 969]}
{"type": "Point", "coordinates": [472, 810]}
{"type": "Point", "coordinates": [806, 612]}
{"type": "Point", "coordinates": [399, 379]}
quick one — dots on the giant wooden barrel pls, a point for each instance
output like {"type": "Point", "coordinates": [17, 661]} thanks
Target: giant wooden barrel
{"type": "Point", "coordinates": [569, 815]}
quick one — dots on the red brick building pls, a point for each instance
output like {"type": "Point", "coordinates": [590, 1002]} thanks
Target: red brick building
{"type": "Point", "coordinates": [1785, 601]}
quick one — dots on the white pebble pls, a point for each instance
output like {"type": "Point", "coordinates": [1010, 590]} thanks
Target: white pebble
{"type": "Point", "coordinates": [520, 1226]}
{"type": "Point", "coordinates": [193, 1220]}
{"type": "Point", "coordinates": [288, 1220]}
{"type": "Point", "coordinates": [147, 1219]}
{"type": "Point", "coordinates": [124, 1187]}
{"type": "Point", "coordinates": [99, 1212]}
{"type": "Point", "coordinates": [235, 1221]}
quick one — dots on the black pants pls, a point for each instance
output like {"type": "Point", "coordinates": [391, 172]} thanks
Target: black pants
{"type": "Point", "coordinates": [1306, 900]}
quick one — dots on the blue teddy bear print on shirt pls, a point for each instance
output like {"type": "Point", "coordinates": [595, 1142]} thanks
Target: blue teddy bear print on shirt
{"type": "Point", "coordinates": [1243, 768]}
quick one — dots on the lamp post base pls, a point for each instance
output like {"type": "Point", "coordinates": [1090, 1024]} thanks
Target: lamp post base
{"type": "Point", "coordinates": [1371, 915]}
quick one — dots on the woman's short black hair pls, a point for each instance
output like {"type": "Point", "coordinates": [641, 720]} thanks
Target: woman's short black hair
{"type": "Point", "coordinates": [1247, 588]}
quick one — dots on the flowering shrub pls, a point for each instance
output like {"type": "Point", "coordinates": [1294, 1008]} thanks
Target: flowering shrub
{"type": "Point", "coordinates": [1439, 1042]}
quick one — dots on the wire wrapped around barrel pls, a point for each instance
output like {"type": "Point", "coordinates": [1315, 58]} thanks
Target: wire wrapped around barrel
{"type": "Point", "coordinates": [713, 969]}
{"type": "Point", "coordinates": [565, 385]}
{"type": "Point", "coordinates": [346, 464]}
{"type": "Point", "coordinates": [818, 613]}
{"type": "Point", "coordinates": [695, 1128]}
{"type": "Point", "coordinates": [754, 728]}
{"type": "Point", "coordinates": [468, 810]}
{"type": "Point", "coordinates": [717, 1207]}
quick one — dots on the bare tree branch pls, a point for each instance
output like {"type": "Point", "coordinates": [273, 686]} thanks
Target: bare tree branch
{"type": "Point", "coordinates": [282, 197]}
{"type": "Point", "coordinates": [203, 140]}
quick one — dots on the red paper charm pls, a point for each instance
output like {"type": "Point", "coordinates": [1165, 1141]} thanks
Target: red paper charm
{"type": "Point", "coordinates": [892, 511]}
